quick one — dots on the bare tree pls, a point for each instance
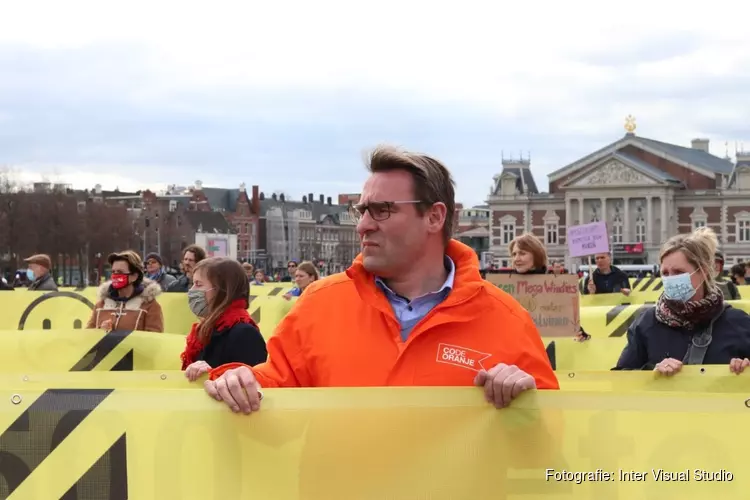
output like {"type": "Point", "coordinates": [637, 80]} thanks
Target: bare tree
{"type": "Point", "coordinates": [7, 205]}
{"type": "Point", "coordinates": [68, 226]}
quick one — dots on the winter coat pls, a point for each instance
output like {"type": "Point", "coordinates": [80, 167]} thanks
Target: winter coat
{"type": "Point", "coordinates": [44, 284]}
{"type": "Point", "coordinates": [139, 312]}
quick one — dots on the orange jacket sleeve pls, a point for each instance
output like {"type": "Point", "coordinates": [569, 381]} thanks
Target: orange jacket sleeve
{"type": "Point", "coordinates": [533, 357]}
{"type": "Point", "coordinates": [286, 365]}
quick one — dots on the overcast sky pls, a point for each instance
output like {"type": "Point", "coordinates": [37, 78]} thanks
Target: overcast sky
{"type": "Point", "coordinates": [288, 95]}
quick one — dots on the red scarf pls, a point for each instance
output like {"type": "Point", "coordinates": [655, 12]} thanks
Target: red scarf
{"type": "Point", "coordinates": [234, 314]}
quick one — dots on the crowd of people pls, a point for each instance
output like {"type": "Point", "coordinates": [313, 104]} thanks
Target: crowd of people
{"type": "Point", "coordinates": [413, 308]}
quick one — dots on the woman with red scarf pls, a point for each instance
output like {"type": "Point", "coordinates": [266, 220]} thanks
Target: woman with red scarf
{"type": "Point", "coordinates": [225, 332]}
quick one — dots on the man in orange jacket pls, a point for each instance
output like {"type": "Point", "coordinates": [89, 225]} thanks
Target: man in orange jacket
{"type": "Point", "coordinates": [412, 310]}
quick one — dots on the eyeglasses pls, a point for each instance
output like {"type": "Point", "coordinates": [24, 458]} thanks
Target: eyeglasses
{"type": "Point", "coordinates": [379, 210]}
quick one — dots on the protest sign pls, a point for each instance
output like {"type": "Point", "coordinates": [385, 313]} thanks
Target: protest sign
{"type": "Point", "coordinates": [551, 300]}
{"type": "Point", "coordinates": [588, 239]}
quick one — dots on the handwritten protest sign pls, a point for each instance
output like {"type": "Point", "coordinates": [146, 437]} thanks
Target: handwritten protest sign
{"type": "Point", "coordinates": [588, 239]}
{"type": "Point", "coordinates": [551, 300]}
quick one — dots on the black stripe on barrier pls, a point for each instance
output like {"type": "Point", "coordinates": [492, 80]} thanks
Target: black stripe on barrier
{"type": "Point", "coordinates": [615, 311]}
{"type": "Point", "coordinates": [48, 296]}
{"type": "Point", "coordinates": [636, 283]}
{"type": "Point", "coordinates": [256, 317]}
{"type": "Point", "coordinates": [648, 284]}
{"type": "Point", "coordinates": [116, 460]}
{"type": "Point", "coordinates": [659, 285]}
{"type": "Point", "coordinates": [623, 328]}
{"type": "Point", "coordinates": [125, 364]}
{"type": "Point", "coordinates": [552, 354]}
{"type": "Point", "coordinates": [100, 351]}
{"type": "Point", "coordinates": [39, 421]}
{"type": "Point", "coordinates": [275, 292]}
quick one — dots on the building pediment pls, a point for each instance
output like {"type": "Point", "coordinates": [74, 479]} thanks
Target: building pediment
{"type": "Point", "coordinates": [611, 173]}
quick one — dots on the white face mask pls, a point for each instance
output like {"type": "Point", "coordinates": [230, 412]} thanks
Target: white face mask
{"type": "Point", "coordinates": [679, 287]}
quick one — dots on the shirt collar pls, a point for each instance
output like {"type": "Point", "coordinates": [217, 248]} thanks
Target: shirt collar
{"type": "Point", "coordinates": [450, 266]}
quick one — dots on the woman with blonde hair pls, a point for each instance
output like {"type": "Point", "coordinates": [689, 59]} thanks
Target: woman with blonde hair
{"type": "Point", "coordinates": [225, 332]}
{"type": "Point", "coordinates": [690, 324]}
{"type": "Point", "coordinates": [528, 254]}
{"type": "Point", "coordinates": [305, 274]}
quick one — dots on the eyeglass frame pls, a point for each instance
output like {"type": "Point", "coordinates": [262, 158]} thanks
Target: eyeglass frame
{"type": "Point", "coordinates": [357, 211]}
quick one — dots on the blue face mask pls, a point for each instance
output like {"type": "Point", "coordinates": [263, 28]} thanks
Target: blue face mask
{"type": "Point", "coordinates": [678, 287]}
{"type": "Point", "coordinates": [30, 274]}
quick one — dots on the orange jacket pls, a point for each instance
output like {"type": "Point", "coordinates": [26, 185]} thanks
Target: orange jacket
{"type": "Point", "coordinates": [343, 332]}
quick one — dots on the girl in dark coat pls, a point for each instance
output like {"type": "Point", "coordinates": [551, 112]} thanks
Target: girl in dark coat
{"type": "Point", "coordinates": [225, 333]}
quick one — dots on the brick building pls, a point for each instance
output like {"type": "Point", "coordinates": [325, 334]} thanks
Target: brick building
{"type": "Point", "coordinates": [241, 211]}
{"type": "Point", "coordinates": [472, 227]}
{"type": "Point", "coordinates": [646, 191]}
{"type": "Point", "coordinates": [159, 222]}
{"type": "Point", "coordinates": [312, 229]}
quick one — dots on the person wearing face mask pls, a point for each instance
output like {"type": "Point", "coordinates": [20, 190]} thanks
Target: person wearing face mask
{"type": "Point", "coordinates": [528, 254]}
{"type": "Point", "coordinates": [38, 273]}
{"type": "Point", "coordinates": [691, 323]}
{"type": "Point", "coordinates": [304, 275]}
{"type": "Point", "coordinates": [128, 300]}
{"type": "Point", "coordinates": [225, 332]}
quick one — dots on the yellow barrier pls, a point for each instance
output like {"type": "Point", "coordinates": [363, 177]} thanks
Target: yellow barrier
{"type": "Point", "coordinates": [616, 299]}
{"type": "Point", "coordinates": [593, 354]}
{"type": "Point", "coordinates": [396, 443]}
{"type": "Point", "coordinates": [649, 284]}
{"type": "Point", "coordinates": [43, 351]}
{"type": "Point", "coordinates": [606, 315]}
{"type": "Point", "coordinates": [95, 350]}
{"type": "Point", "coordinates": [87, 350]}
{"type": "Point", "coordinates": [613, 321]}
{"type": "Point", "coordinates": [271, 289]}
{"type": "Point", "coordinates": [644, 291]}
{"type": "Point", "coordinates": [71, 310]}
{"type": "Point", "coordinates": [710, 379]}
{"type": "Point", "coordinates": [63, 310]}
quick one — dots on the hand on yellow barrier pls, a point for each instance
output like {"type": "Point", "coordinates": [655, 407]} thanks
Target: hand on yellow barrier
{"type": "Point", "coordinates": [738, 365]}
{"type": "Point", "coordinates": [669, 366]}
{"type": "Point", "coordinates": [503, 383]}
{"type": "Point", "coordinates": [195, 370]}
{"type": "Point", "coordinates": [237, 388]}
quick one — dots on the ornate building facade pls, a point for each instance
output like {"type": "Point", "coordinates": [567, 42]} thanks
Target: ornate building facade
{"type": "Point", "coordinates": [646, 191]}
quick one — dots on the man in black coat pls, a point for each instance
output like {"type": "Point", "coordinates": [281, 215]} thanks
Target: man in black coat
{"type": "Point", "coordinates": [606, 278]}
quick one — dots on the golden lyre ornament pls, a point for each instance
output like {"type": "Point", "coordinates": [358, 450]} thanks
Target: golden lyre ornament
{"type": "Point", "coordinates": [630, 124]}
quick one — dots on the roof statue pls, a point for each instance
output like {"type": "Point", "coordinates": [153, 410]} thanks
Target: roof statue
{"type": "Point", "coordinates": [630, 124]}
